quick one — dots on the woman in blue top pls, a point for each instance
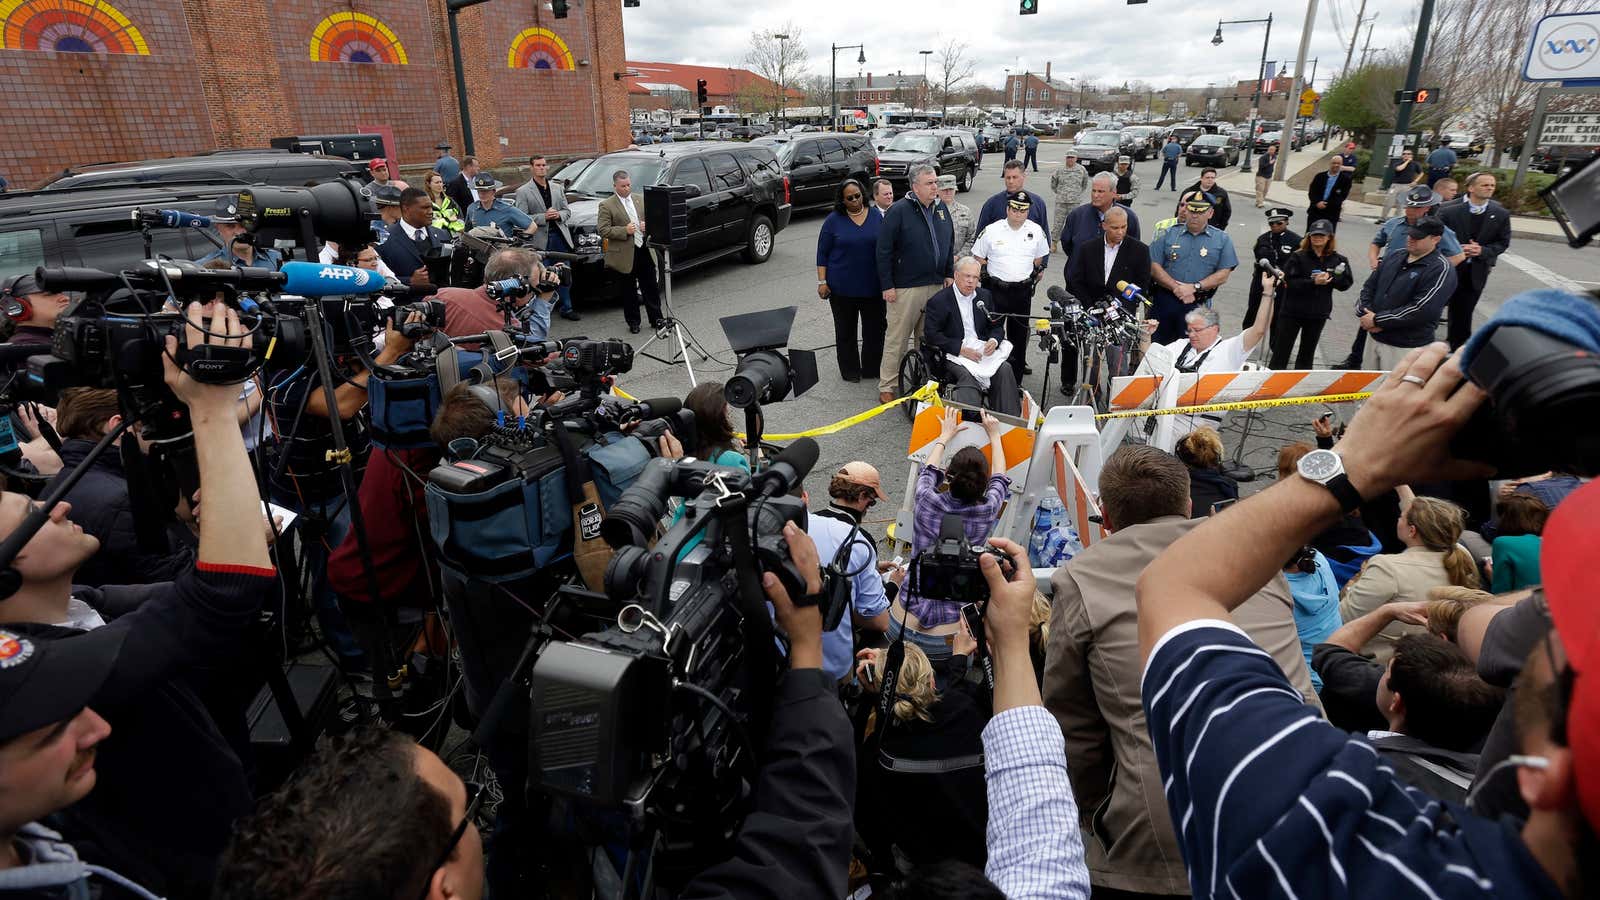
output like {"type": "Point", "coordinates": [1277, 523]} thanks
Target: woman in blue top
{"type": "Point", "coordinates": [1316, 602]}
{"type": "Point", "coordinates": [717, 443]}
{"type": "Point", "coordinates": [847, 275]}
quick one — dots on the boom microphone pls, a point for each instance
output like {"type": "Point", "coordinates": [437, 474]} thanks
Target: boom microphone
{"type": "Point", "coordinates": [1129, 291]}
{"type": "Point", "coordinates": [308, 279]}
{"type": "Point", "coordinates": [661, 407]}
{"type": "Point", "coordinates": [788, 468]}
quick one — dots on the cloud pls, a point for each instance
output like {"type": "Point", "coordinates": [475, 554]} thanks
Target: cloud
{"type": "Point", "coordinates": [1103, 41]}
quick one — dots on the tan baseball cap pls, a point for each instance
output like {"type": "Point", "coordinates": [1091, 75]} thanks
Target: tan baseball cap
{"type": "Point", "coordinates": [864, 474]}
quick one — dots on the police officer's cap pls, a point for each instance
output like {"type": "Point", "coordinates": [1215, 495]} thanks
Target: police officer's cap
{"type": "Point", "coordinates": [1278, 214]}
{"type": "Point", "coordinates": [486, 182]}
{"type": "Point", "coordinates": [1198, 204]}
{"type": "Point", "coordinates": [1018, 200]}
{"type": "Point", "coordinates": [386, 195]}
{"type": "Point", "coordinates": [1421, 195]}
{"type": "Point", "coordinates": [226, 209]}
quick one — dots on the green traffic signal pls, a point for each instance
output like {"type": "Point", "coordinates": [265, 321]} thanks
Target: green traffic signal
{"type": "Point", "coordinates": [1029, 7]}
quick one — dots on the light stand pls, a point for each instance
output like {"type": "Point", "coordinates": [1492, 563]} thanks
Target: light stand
{"type": "Point", "coordinates": [672, 327]}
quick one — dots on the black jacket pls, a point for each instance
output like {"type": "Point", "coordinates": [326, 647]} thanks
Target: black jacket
{"type": "Point", "coordinates": [906, 256]}
{"type": "Point", "coordinates": [1494, 235]}
{"type": "Point", "coordinates": [1276, 247]}
{"type": "Point", "coordinates": [1408, 297]}
{"type": "Point", "coordinates": [459, 190]}
{"type": "Point", "coordinates": [1207, 487]}
{"type": "Point", "coordinates": [796, 842]}
{"type": "Point", "coordinates": [941, 324]}
{"type": "Point", "coordinates": [1089, 282]}
{"type": "Point", "coordinates": [1219, 199]}
{"type": "Point", "coordinates": [1341, 191]}
{"type": "Point", "coordinates": [101, 506]}
{"type": "Point", "coordinates": [1302, 299]}
{"type": "Point", "coordinates": [401, 253]}
{"type": "Point", "coordinates": [170, 787]}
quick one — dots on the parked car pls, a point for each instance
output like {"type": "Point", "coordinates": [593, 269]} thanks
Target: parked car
{"type": "Point", "coordinates": [275, 167]}
{"type": "Point", "coordinates": [1558, 158]}
{"type": "Point", "coordinates": [738, 201]}
{"type": "Point", "coordinates": [93, 226]}
{"type": "Point", "coordinates": [568, 171]}
{"type": "Point", "coordinates": [1098, 150]}
{"type": "Point", "coordinates": [952, 151]}
{"type": "Point", "coordinates": [1137, 141]}
{"type": "Point", "coordinates": [817, 162]}
{"type": "Point", "coordinates": [1266, 139]}
{"type": "Point", "coordinates": [1186, 133]}
{"type": "Point", "coordinates": [1213, 150]}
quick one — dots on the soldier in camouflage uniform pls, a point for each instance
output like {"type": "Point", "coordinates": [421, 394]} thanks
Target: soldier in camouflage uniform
{"type": "Point", "coordinates": [961, 217]}
{"type": "Point", "coordinates": [1070, 185]}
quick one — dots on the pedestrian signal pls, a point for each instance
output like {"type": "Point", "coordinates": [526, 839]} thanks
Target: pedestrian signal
{"type": "Point", "coordinates": [1029, 7]}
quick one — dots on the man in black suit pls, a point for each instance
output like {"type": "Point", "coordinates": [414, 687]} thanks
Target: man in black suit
{"type": "Point", "coordinates": [1092, 283]}
{"type": "Point", "coordinates": [1484, 229]}
{"type": "Point", "coordinates": [413, 239]}
{"type": "Point", "coordinates": [956, 321]}
{"type": "Point", "coordinates": [459, 188]}
{"type": "Point", "coordinates": [1327, 193]}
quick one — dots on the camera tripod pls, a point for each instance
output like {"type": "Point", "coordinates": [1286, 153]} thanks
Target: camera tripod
{"type": "Point", "coordinates": [671, 328]}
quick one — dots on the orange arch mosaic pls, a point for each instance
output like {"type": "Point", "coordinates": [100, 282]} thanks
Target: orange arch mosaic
{"type": "Point", "coordinates": [68, 26]}
{"type": "Point", "coordinates": [539, 48]}
{"type": "Point", "coordinates": [353, 37]}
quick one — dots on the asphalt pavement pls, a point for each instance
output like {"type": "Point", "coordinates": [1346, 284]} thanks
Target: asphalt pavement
{"type": "Point", "coordinates": [788, 278]}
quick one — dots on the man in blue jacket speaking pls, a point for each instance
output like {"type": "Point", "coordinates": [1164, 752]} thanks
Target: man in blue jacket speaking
{"type": "Point", "coordinates": [914, 257]}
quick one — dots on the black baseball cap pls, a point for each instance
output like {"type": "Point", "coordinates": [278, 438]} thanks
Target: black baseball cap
{"type": "Point", "coordinates": [1427, 226]}
{"type": "Point", "coordinates": [1320, 226]}
{"type": "Point", "coordinates": [48, 680]}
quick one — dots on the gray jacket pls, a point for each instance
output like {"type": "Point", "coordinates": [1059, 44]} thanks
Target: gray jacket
{"type": "Point", "coordinates": [51, 867]}
{"type": "Point", "coordinates": [528, 199]}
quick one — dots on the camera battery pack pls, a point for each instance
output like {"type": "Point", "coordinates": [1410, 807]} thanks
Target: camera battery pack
{"type": "Point", "coordinates": [469, 476]}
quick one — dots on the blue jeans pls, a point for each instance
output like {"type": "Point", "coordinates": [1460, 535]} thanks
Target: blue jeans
{"type": "Point", "coordinates": [935, 646]}
{"type": "Point", "coordinates": [558, 244]}
{"type": "Point", "coordinates": [1168, 167]}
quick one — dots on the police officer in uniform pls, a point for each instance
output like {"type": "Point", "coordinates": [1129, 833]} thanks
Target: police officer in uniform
{"type": "Point", "coordinates": [491, 210]}
{"type": "Point", "coordinates": [1275, 245]}
{"type": "Point", "coordinates": [1188, 264]}
{"type": "Point", "coordinates": [238, 245]}
{"type": "Point", "coordinates": [1015, 251]}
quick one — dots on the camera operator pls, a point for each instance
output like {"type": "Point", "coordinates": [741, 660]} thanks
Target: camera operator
{"type": "Point", "coordinates": [102, 504]}
{"type": "Point", "coordinates": [238, 245]}
{"type": "Point", "coordinates": [869, 608]}
{"type": "Point", "coordinates": [33, 309]}
{"type": "Point", "coordinates": [48, 737]}
{"type": "Point", "coordinates": [169, 786]}
{"type": "Point", "coordinates": [311, 484]}
{"type": "Point", "coordinates": [470, 311]}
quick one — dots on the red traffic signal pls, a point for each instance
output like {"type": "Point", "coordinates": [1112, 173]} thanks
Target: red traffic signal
{"type": "Point", "coordinates": [700, 92]}
{"type": "Point", "coordinates": [1419, 97]}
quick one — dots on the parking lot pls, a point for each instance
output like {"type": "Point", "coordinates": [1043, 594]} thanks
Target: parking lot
{"type": "Point", "coordinates": [700, 297]}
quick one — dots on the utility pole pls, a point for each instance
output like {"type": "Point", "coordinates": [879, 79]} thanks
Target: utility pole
{"type": "Point", "coordinates": [1355, 33]}
{"type": "Point", "coordinates": [1367, 47]}
{"type": "Point", "coordinates": [1291, 116]}
{"type": "Point", "coordinates": [1402, 119]}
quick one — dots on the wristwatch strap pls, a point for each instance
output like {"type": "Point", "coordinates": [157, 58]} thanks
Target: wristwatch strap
{"type": "Point", "coordinates": [1349, 498]}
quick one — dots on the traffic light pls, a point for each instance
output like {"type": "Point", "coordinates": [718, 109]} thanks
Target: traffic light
{"type": "Point", "coordinates": [701, 98]}
{"type": "Point", "coordinates": [1419, 97]}
{"type": "Point", "coordinates": [1029, 7]}
{"type": "Point", "coordinates": [559, 7]}
{"type": "Point", "coordinates": [630, 3]}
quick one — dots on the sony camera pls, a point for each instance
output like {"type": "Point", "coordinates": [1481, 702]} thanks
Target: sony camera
{"type": "Point", "coordinates": [432, 312]}
{"type": "Point", "coordinates": [654, 716]}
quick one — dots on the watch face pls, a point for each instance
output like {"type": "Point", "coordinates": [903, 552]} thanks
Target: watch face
{"type": "Point", "coordinates": [1320, 465]}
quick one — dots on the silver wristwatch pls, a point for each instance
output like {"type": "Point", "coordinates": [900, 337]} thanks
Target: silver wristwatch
{"type": "Point", "coordinates": [1326, 468]}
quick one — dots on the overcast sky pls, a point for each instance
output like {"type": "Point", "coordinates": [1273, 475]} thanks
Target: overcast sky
{"type": "Point", "coordinates": [1164, 42]}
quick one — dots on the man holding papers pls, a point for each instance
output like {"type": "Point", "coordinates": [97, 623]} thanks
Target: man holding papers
{"type": "Point", "coordinates": [958, 324]}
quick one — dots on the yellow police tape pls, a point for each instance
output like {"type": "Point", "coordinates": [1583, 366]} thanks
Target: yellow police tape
{"type": "Point", "coordinates": [1239, 404]}
{"type": "Point", "coordinates": [928, 393]}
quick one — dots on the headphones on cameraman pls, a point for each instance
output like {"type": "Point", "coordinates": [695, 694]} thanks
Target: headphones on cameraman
{"type": "Point", "coordinates": [14, 305]}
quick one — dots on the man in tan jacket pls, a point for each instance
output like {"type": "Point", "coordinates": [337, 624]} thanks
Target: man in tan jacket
{"type": "Point", "coordinates": [1092, 672]}
{"type": "Point", "coordinates": [620, 221]}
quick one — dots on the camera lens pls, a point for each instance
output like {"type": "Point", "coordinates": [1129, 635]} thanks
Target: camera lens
{"type": "Point", "coordinates": [625, 572]}
{"type": "Point", "coordinates": [631, 521]}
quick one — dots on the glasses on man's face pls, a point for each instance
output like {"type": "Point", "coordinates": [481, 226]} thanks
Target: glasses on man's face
{"type": "Point", "coordinates": [1201, 330]}
{"type": "Point", "coordinates": [475, 794]}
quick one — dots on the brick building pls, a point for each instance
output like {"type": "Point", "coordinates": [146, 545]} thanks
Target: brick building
{"type": "Point", "coordinates": [99, 80]}
{"type": "Point", "coordinates": [1038, 91]}
{"type": "Point", "coordinates": [658, 85]}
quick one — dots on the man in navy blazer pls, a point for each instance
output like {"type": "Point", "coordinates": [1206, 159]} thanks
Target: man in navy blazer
{"type": "Point", "coordinates": [957, 321]}
{"type": "Point", "coordinates": [1484, 229]}
{"type": "Point", "coordinates": [412, 239]}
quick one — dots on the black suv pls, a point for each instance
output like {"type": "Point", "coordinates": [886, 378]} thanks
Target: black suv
{"type": "Point", "coordinates": [952, 151]}
{"type": "Point", "coordinates": [738, 200]}
{"type": "Point", "coordinates": [1098, 150]}
{"type": "Point", "coordinates": [276, 167]}
{"type": "Point", "coordinates": [817, 162]}
{"type": "Point", "coordinates": [94, 227]}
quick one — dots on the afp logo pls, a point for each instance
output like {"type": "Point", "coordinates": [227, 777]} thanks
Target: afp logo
{"type": "Point", "coordinates": [1569, 46]}
{"type": "Point", "coordinates": [352, 275]}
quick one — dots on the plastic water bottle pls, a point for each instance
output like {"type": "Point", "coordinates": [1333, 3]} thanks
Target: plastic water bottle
{"type": "Point", "coordinates": [1043, 524]}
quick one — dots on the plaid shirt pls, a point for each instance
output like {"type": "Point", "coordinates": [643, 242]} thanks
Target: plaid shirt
{"type": "Point", "coordinates": [977, 521]}
{"type": "Point", "coordinates": [1035, 847]}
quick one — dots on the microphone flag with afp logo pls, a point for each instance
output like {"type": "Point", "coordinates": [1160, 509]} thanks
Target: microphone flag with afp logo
{"type": "Point", "coordinates": [309, 279]}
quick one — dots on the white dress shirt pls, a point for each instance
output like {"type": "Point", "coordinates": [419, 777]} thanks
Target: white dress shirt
{"type": "Point", "coordinates": [1010, 252]}
{"type": "Point", "coordinates": [969, 331]}
{"type": "Point", "coordinates": [1110, 258]}
{"type": "Point", "coordinates": [633, 216]}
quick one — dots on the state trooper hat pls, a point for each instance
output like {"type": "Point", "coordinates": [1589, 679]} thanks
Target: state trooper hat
{"type": "Point", "coordinates": [226, 210]}
{"type": "Point", "coordinates": [486, 182]}
{"type": "Point", "coordinates": [1198, 204]}
{"type": "Point", "coordinates": [1421, 195]}
{"type": "Point", "coordinates": [1278, 214]}
{"type": "Point", "coordinates": [386, 195]}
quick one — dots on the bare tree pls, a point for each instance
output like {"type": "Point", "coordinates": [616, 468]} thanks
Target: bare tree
{"type": "Point", "coordinates": [954, 71]}
{"type": "Point", "coordinates": [779, 56]}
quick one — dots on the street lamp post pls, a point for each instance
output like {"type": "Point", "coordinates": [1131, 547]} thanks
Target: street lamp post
{"type": "Point", "coordinates": [783, 91]}
{"type": "Point", "coordinates": [924, 91]}
{"type": "Point", "coordinates": [1255, 101]}
{"type": "Point", "coordinates": [833, 70]}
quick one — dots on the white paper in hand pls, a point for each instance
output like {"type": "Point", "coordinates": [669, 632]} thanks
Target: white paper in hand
{"type": "Point", "coordinates": [985, 368]}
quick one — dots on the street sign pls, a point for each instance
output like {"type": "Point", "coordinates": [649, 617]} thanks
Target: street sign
{"type": "Point", "coordinates": [1565, 47]}
{"type": "Point", "coordinates": [1571, 128]}
{"type": "Point", "coordinates": [1254, 113]}
{"type": "Point", "coordinates": [1397, 144]}
{"type": "Point", "coordinates": [1309, 96]}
